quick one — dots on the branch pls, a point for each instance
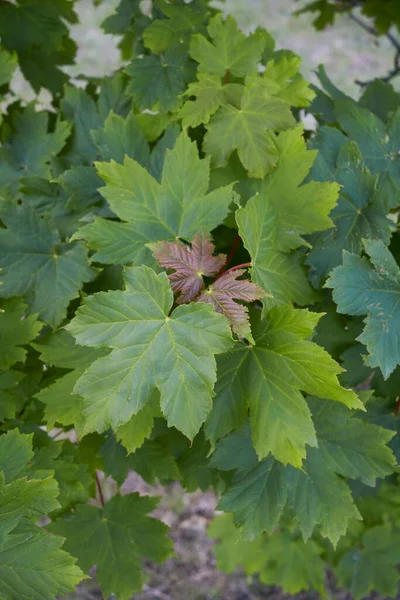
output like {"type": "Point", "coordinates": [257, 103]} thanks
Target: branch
{"type": "Point", "coordinates": [99, 489]}
{"type": "Point", "coordinates": [392, 73]}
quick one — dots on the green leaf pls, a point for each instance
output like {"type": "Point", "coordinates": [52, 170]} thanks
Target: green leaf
{"type": "Point", "coordinates": [210, 94]}
{"type": "Point", "coordinates": [230, 50]}
{"type": "Point", "coordinates": [181, 21]}
{"type": "Point", "coordinates": [8, 64]}
{"type": "Point", "coordinates": [372, 287]}
{"type": "Point", "coordinates": [377, 142]}
{"type": "Point", "coordinates": [121, 137]}
{"type": "Point", "coordinates": [248, 130]}
{"type": "Point", "coordinates": [38, 31]}
{"type": "Point", "coordinates": [361, 212]}
{"type": "Point", "coordinates": [292, 564]}
{"type": "Point", "coordinates": [62, 405]}
{"type": "Point", "coordinates": [151, 350]}
{"type": "Point", "coordinates": [176, 208]}
{"type": "Point", "coordinates": [115, 538]}
{"type": "Point", "coordinates": [273, 222]}
{"type": "Point", "coordinates": [259, 491]}
{"type": "Point", "coordinates": [231, 551]}
{"type": "Point", "coordinates": [373, 565]}
{"type": "Point", "coordinates": [159, 81]}
{"type": "Point", "coordinates": [267, 378]}
{"type": "Point", "coordinates": [15, 453]}
{"type": "Point", "coordinates": [350, 446]}
{"type": "Point", "coordinates": [152, 461]}
{"type": "Point", "coordinates": [16, 330]}
{"type": "Point", "coordinates": [33, 567]}
{"type": "Point", "coordinates": [28, 151]}
{"type": "Point", "coordinates": [37, 265]}
{"type": "Point", "coordinates": [282, 79]}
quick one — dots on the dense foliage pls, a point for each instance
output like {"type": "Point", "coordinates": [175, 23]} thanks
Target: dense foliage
{"type": "Point", "coordinates": [195, 288]}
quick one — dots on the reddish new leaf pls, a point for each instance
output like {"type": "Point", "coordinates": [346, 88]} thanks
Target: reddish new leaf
{"type": "Point", "coordinates": [223, 294]}
{"type": "Point", "coordinates": [190, 263]}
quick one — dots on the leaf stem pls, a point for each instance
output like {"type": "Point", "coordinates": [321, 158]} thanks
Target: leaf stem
{"type": "Point", "coordinates": [232, 251]}
{"type": "Point", "coordinates": [242, 266]}
{"type": "Point", "coordinates": [227, 76]}
{"type": "Point", "coordinates": [101, 496]}
{"type": "Point", "coordinates": [397, 407]}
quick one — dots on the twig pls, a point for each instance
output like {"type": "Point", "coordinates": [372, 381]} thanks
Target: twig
{"type": "Point", "coordinates": [232, 251]}
{"type": "Point", "coordinates": [395, 43]}
{"type": "Point", "coordinates": [99, 489]}
{"type": "Point", "coordinates": [242, 266]}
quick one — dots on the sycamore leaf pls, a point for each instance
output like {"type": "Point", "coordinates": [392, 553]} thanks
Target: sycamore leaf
{"type": "Point", "coordinates": [37, 265]}
{"type": "Point", "coordinates": [259, 491]}
{"type": "Point", "coordinates": [62, 405]}
{"type": "Point", "coordinates": [177, 208]}
{"type": "Point", "coordinates": [292, 564]}
{"type": "Point", "coordinates": [372, 565]}
{"type": "Point", "coordinates": [28, 151]}
{"type": "Point", "coordinates": [115, 538]}
{"type": "Point", "coordinates": [231, 551]}
{"type": "Point", "coordinates": [87, 116]}
{"type": "Point", "coordinates": [38, 31]}
{"type": "Point", "coordinates": [267, 378]}
{"type": "Point", "coordinates": [8, 64]}
{"type": "Point", "coordinates": [182, 20]}
{"type": "Point", "coordinates": [351, 447]}
{"type": "Point", "coordinates": [372, 287]}
{"type": "Point", "coordinates": [190, 264]}
{"type": "Point", "coordinates": [16, 330]}
{"type": "Point", "coordinates": [273, 222]}
{"type": "Point", "coordinates": [377, 142]}
{"type": "Point", "coordinates": [361, 212]}
{"type": "Point", "coordinates": [9, 381]}
{"type": "Point", "coordinates": [159, 81]}
{"type": "Point", "coordinates": [281, 78]}
{"type": "Point", "coordinates": [152, 461]}
{"type": "Point", "coordinates": [248, 129]}
{"type": "Point", "coordinates": [230, 50]}
{"type": "Point", "coordinates": [150, 351]}
{"type": "Point", "coordinates": [281, 559]}
{"type": "Point", "coordinates": [33, 566]}
{"type": "Point", "coordinates": [210, 93]}
{"type": "Point", "coordinates": [223, 295]}
{"type": "Point", "coordinates": [24, 498]}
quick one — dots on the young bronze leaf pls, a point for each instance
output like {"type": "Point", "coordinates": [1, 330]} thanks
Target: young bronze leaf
{"type": "Point", "coordinates": [223, 294]}
{"type": "Point", "coordinates": [189, 264]}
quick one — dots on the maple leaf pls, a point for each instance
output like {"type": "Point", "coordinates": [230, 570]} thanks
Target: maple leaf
{"type": "Point", "coordinates": [28, 150]}
{"type": "Point", "coordinates": [223, 295]}
{"type": "Point", "coordinates": [230, 50]}
{"type": "Point", "coordinates": [37, 265]}
{"type": "Point", "coordinates": [181, 21]}
{"type": "Point", "coordinates": [8, 64]}
{"type": "Point", "coordinates": [372, 288]}
{"type": "Point", "coordinates": [177, 207]}
{"type": "Point", "coordinates": [16, 330]}
{"type": "Point", "coordinates": [267, 378]}
{"type": "Point", "coordinates": [32, 565]}
{"type": "Point", "coordinates": [150, 351]}
{"type": "Point", "coordinates": [159, 81]}
{"type": "Point", "coordinates": [38, 31]}
{"type": "Point", "coordinates": [115, 538]}
{"type": "Point", "coordinates": [372, 564]}
{"type": "Point", "coordinates": [273, 222]}
{"type": "Point", "coordinates": [248, 129]}
{"type": "Point", "coordinates": [189, 264]}
{"type": "Point", "coordinates": [364, 203]}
